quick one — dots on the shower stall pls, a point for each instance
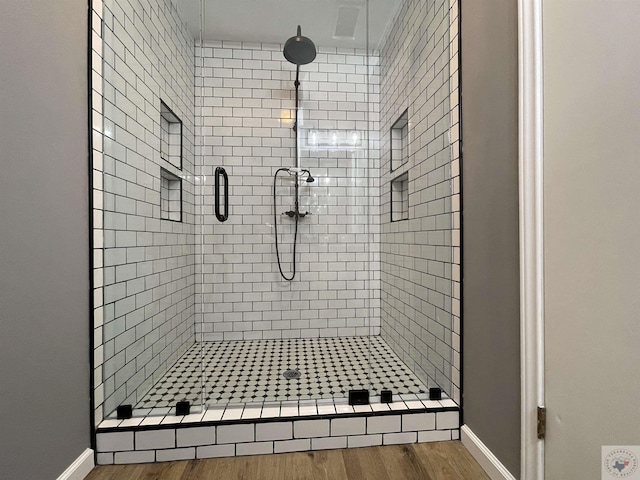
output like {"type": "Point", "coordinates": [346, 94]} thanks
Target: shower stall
{"type": "Point", "coordinates": [276, 221]}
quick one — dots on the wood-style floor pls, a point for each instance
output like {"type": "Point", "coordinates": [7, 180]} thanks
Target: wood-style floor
{"type": "Point", "coordinates": [422, 461]}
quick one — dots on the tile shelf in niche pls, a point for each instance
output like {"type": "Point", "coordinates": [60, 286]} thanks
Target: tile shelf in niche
{"type": "Point", "coordinates": [170, 136]}
{"type": "Point", "coordinates": [400, 141]}
{"type": "Point", "coordinates": [400, 198]}
{"type": "Point", "coordinates": [170, 196]}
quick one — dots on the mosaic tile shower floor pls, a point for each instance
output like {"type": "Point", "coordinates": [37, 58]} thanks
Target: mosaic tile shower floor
{"type": "Point", "coordinates": [253, 371]}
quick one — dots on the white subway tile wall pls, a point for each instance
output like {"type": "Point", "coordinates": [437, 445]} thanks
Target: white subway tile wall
{"type": "Point", "coordinates": [147, 297]}
{"type": "Point", "coordinates": [246, 106]}
{"type": "Point", "coordinates": [419, 314]}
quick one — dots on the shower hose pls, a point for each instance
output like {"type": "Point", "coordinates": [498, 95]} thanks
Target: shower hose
{"type": "Point", "coordinates": [275, 225]}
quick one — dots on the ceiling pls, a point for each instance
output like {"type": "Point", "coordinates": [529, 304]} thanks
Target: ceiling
{"type": "Point", "coordinates": [274, 21]}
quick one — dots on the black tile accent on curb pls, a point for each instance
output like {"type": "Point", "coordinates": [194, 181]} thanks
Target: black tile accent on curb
{"type": "Point", "coordinates": [124, 411]}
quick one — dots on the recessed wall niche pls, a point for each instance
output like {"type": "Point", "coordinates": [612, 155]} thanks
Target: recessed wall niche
{"type": "Point", "coordinates": [170, 196]}
{"type": "Point", "coordinates": [170, 136]}
{"type": "Point", "coordinates": [400, 198]}
{"type": "Point", "coordinates": [400, 141]}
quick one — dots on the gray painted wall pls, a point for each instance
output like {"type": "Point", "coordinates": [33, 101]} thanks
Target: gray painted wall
{"type": "Point", "coordinates": [491, 329]}
{"type": "Point", "coordinates": [44, 285]}
{"type": "Point", "coordinates": [591, 152]}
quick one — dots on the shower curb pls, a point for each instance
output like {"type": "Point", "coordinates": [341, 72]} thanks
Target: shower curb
{"type": "Point", "coordinates": [228, 438]}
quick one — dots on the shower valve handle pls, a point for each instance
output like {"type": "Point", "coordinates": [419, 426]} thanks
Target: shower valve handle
{"type": "Point", "coordinates": [292, 213]}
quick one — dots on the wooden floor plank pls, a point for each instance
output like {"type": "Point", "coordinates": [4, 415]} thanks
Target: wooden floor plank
{"type": "Point", "coordinates": [328, 464]}
{"type": "Point", "coordinates": [402, 462]}
{"type": "Point", "coordinates": [114, 472]}
{"type": "Point", "coordinates": [288, 466]}
{"type": "Point", "coordinates": [164, 471]}
{"type": "Point", "coordinates": [318, 465]}
{"type": "Point", "coordinates": [426, 461]}
{"type": "Point", "coordinates": [196, 470]}
{"type": "Point", "coordinates": [364, 464]}
{"type": "Point", "coordinates": [234, 467]}
{"type": "Point", "coordinates": [268, 467]}
{"type": "Point", "coordinates": [449, 461]}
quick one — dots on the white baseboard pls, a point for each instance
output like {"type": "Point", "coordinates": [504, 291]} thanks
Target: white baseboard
{"type": "Point", "coordinates": [487, 460]}
{"type": "Point", "coordinates": [80, 468]}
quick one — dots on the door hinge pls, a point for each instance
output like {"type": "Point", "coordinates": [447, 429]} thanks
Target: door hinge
{"type": "Point", "coordinates": [542, 422]}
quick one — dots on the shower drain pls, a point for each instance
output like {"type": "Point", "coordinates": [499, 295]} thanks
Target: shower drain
{"type": "Point", "coordinates": [292, 374]}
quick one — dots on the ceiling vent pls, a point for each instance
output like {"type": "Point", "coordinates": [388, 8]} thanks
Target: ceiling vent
{"type": "Point", "coordinates": [346, 22]}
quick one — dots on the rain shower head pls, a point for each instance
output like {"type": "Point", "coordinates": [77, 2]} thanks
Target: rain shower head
{"type": "Point", "coordinates": [299, 50]}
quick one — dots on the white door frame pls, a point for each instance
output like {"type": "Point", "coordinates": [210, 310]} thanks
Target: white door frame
{"type": "Point", "coordinates": [530, 93]}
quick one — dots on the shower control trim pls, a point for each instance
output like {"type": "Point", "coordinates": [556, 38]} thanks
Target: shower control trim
{"type": "Point", "coordinates": [292, 214]}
